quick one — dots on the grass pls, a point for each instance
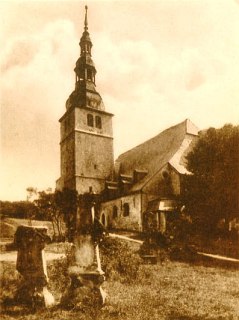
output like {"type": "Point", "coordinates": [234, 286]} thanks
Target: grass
{"type": "Point", "coordinates": [174, 290]}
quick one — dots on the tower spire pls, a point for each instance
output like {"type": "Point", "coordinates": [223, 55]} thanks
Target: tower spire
{"type": "Point", "coordinates": [86, 20]}
{"type": "Point", "coordinates": [85, 93]}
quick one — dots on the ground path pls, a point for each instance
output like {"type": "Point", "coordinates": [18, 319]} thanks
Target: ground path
{"type": "Point", "coordinates": [12, 255]}
{"type": "Point", "coordinates": [215, 256]}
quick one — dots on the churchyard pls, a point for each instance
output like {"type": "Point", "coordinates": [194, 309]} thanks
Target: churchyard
{"type": "Point", "coordinates": [196, 289]}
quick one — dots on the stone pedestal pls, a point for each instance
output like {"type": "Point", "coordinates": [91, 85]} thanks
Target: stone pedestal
{"type": "Point", "coordinates": [85, 268]}
{"type": "Point", "coordinates": [86, 276]}
{"type": "Point", "coordinates": [31, 264]}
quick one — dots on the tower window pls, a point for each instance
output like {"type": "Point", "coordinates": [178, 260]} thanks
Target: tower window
{"type": "Point", "coordinates": [89, 75]}
{"type": "Point", "coordinates": [98, 122]}
{"type": "Point", "coordinates": [90, 120]}
{"type": "Point", "coordinates": [126, 209]}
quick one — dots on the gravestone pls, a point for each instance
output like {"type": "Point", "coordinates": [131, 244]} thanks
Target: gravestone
{"type": "Point", "coordinates": [31, 264]}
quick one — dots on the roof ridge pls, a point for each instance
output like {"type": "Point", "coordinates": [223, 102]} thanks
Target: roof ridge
{"type": "Point", "coordinates": [164, 131]}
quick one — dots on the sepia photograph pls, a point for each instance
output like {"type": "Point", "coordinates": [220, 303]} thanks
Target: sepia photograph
{"type": "Point", "coordinates": [119, 159]}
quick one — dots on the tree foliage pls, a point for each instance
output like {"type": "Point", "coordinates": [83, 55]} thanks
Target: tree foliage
{"type": "Point", "coordinates": [212, 191]}
{"type": "Point", "coordinates": [59, 208]}
{"type": "Point", "coordinates": [18, 209]}
{"type": "Point", "coordinates": [31, 192]}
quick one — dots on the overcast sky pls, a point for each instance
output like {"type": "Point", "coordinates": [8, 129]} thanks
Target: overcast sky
{"type": "Point", "coordinates": [158, 63]}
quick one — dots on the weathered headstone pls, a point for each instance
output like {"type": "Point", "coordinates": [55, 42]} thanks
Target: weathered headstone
{"type": "Point", "coordinates": [31, 264]}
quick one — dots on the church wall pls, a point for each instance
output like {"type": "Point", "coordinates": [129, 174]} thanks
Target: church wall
{"type": "Point", "coordinates": [130, 222]}
{"type": "Point", "coordinates": [86, 155]}
{"type": "Point", "coordinates": [176, 181]}
{"type": "Point", "coordinates": [81, 122]}
{"type": "Point", "coordinates": [67, 146]}
{"type": "Point", "coordinates": [159, 184]}
{"type": "Point", "coordinates": [165, 183]}
{"type": "Point", "coordinates": [67, 124]}
{"type": "Point", "coordinates": [70, 183]}
{"type": "Point", "coordinates": [94, 156]}
{"type": "Point", "coordinates": [67, 159]}
{"type": "Point", "coordinates": [146, 197]}
{"type": "Point", "coordinates": [84, 184]}
{"type": "Point", "coordinates": [94, 151]}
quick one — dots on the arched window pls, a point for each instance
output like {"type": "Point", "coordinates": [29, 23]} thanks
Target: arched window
{"type": "Point", "coordinates": [126, 209]}
{"type": "Point", "coordinates": [98, 123]}
{"type": "Point", "coordinates": [115, 212]}
{"type": "Point", "coordinates": [90, 120]}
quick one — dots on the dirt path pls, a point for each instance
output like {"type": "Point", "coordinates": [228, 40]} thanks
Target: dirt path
{"type": "Point", "coordinates": [215, 256]}
{"type": "Point", "coordinates": [122, 237]}
{"type": "Point", "coordinates": [12, 256]}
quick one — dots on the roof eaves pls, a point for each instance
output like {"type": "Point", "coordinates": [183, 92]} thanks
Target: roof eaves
{"type": "Point", "coordinates": [179, 170]}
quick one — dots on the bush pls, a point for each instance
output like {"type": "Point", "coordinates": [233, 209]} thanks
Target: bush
{"type": "Point", "coordinates": [118, 260]}
{"type": "Point", "coordinates": [9, 279]}
{"type": "Point", "coordinates": [59, 280]}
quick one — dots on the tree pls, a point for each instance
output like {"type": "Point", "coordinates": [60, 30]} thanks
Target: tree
{"type": "Point", "coordinates": [31, 193]}
{"type": "Point", "coordinates": [211, 192]}
{"type": "Point", "coordinates": [46, 206]}
{"type": "Point", "coordinates": [67, 202]}
{"type": "Point", "coordinates": [59, 207]}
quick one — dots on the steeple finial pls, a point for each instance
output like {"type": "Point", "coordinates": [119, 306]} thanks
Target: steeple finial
{"type": "Point", "coordinates": [86, 22]}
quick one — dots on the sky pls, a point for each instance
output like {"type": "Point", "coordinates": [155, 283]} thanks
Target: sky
{"type": "Point", "coordinates": [158, 63]}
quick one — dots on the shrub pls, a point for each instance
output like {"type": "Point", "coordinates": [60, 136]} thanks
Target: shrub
{"type": "Point", "coordinates": [58, 276]}
{"type": "Point", "coordinates": [9, 279]}
{"type": "Point", "coordinates": [118, 260]}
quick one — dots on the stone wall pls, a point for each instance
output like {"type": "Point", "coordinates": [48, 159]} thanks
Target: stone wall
{"type": "Point", "coordinates": [87, 158]}
{"type": "Point", "coordinates": [115, 214]}
{"type": "Point", "coordinates": [67, 159]}
{"type": "Point", "coordinates": [93, 161]}
{"type": "Point", "coordinates": [176, 181]}
{"type": "Point", "coordinates": [81, 121]}
{"type": "Point", "coordinates": [165, 183]}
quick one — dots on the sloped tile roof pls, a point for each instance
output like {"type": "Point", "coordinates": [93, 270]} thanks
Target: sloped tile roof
{"type": "Point", "coordinates": [154, 153]}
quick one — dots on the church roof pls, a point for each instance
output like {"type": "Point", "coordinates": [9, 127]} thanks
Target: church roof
{"type": "Point", "coordinates": [170, 146]}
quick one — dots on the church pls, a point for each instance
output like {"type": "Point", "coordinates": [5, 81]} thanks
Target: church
{"type": "Point", "coordinates": [147, 177]}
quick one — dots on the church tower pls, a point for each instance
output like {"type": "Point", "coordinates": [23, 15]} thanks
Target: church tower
{"type": "Point", "coordinates": [86, 129]}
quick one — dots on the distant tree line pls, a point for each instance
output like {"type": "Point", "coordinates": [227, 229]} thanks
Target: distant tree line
{"type": "Point", "coordinates": [58, 207]}
{"type": "Point", "coordinates": [19, 209]}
